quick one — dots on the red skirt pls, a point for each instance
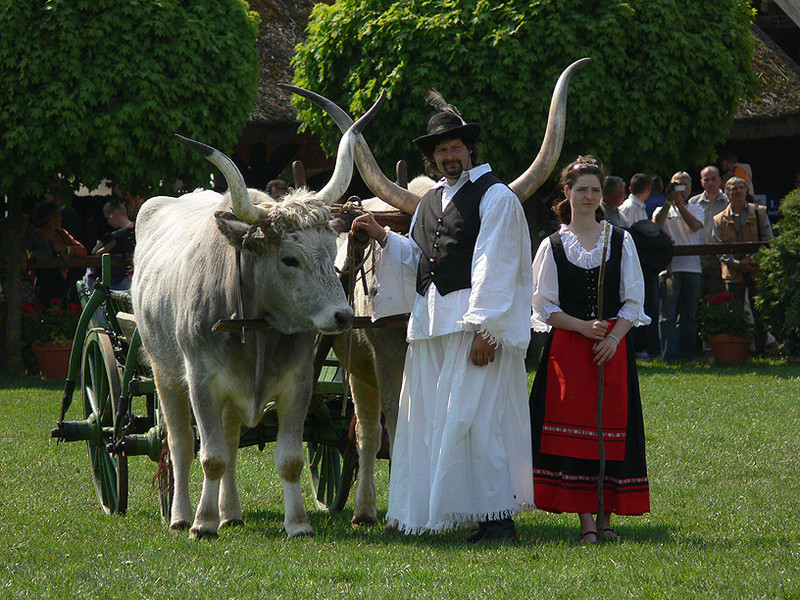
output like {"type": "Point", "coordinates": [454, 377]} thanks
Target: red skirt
{"type": "Point", "coordinates": [563, 423]}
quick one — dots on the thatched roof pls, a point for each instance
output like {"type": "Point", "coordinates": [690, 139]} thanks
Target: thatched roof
{"type": "Point", "coordinates": [282, 27]}
{"type": "Point", "coordinates": [775, 111]}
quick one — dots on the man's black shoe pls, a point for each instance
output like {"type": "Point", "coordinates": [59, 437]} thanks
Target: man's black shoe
{"type": "Point", "coordinates": [494, 531]}
{"type": "Point", "coordinates": [477, 534]}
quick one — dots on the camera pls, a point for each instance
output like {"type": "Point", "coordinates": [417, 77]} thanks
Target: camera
{"type": "Point", "coordinates": [678, 187]}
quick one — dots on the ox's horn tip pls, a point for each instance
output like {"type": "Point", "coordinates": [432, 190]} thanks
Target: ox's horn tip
{"type": "Point", "coordinates": [200, 147]}
{"type": "Point", "coordinates": [286, 86]}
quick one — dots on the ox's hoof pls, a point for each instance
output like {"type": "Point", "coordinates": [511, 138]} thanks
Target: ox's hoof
{"type": "Point", "coordinates": [231, 523]}
{"type": "Point", "coordinates": [179, 525]}
{"type": "Point", "coordinates": [366, 520]}
{"type": "Point", "coordinates": [392, 525]}
{"type": "Point", "coordinates": [202, 533]}
{"type": "Point", "coordinates": [299, 530]}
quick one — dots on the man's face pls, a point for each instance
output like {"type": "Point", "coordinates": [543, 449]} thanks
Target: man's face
{"type": "Point", "coordinates": [452, 157]}
{"type": "Point", "coordinates": [710, 180]}
{"type": "Point", "coordinates": [684, 181]}
{"type": "Point", "coordinates": [737, 194]}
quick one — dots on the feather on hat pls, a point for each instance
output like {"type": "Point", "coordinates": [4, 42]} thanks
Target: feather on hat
{"type": "Point", "coordinates": [445, 125]}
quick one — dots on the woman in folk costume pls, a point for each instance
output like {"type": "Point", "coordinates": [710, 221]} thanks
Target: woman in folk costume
{"type": "Point", "coordinates": [564, 398]}
{"type": "Point", "coordinates": [461, 450]}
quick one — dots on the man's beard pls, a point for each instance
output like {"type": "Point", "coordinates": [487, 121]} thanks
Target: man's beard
{"type": "Point", "coordinates": [453, 169]}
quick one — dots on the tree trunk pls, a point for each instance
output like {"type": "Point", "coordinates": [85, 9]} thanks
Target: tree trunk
{"type": "Point", "coordinates": [13, 288]}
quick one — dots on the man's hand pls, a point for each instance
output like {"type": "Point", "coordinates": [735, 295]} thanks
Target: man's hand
{"type": "Point", "coordinates": [747, 265]}
{"type": "Point", "coordinates": [482, 351]}
{"type": "Point", "coordinates": [368, 223]}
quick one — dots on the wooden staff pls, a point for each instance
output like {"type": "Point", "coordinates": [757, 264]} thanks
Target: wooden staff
{"type": "Point", "coordinates": [602, 471]}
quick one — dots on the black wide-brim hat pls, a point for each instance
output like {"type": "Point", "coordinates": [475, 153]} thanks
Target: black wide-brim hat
{"type": "Point", "coordinates": [446, 126]}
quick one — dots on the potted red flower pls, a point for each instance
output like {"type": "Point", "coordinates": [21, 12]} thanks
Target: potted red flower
{"type": "Point", "coordinates": [726, 326]}
{"type": "Point", "coordinates": [49, 331]}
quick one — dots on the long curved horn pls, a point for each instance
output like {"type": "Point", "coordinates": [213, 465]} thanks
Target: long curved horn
{"type": "Point", "coordinates": [243, 207]}
{"type": "Point", "coordinates": [377, 182]}
{"type": "Point", "coordinates": [343, 172]}
{"type": "Point", "coordinates": [527, 183]}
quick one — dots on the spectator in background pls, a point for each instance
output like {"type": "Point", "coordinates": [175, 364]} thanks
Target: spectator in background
{"type": "Point", "coordinates": [633, 209]}
{"type": "Point", "coordinates": [277, 188]}
{"type": "Point", "coordinates": [613, 197]}
{"type": "Point", "coordinates": [679, 285]}
{"type": "Point", "coordinates": [656, 197]}
{"type": "Point", "coordinates": [742, 221]}
{"type": "Point", "coordinates": [713, 201]}
{"type": "Point", "coordinates": [59, 191]}
{"type": "Point", "coordinates": [52, 240]}
{"type": "Point", "coordinates": [730, 167]}
{"type": "Point", "coordinates": [119, 242]}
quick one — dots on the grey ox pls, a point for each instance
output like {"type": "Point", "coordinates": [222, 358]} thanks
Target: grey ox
{"type": "Point", "coordinates": [186, 278]}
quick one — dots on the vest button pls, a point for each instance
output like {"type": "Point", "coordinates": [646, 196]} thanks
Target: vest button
{"type": "Point", "coordinates": [436, 246]}
{"type": "Point", "coordinates": [433, 259]}
{"type": "Point", "coordinates": [439, 220]}
{"type": "Point", "coordinates": [433, 273]}
{"type": "Point", "coordinates": [438, 233]}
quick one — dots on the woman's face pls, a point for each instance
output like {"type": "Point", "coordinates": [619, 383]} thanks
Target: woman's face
{"type": "Point", "coordinates": [585, 194]}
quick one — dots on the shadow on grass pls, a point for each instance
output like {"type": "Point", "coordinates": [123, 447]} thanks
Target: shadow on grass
{"type": "Point", "coordinates": [336, 527]}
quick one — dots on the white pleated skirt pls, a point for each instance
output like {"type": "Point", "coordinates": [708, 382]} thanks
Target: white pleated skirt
{"type": "Point", "coordinates": [462, 448]}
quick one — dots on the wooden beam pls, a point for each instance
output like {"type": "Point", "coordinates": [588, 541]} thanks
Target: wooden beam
{"type": "Point", "coordinates": [791, 8]}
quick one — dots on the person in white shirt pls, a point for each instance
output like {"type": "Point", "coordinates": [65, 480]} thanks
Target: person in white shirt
{"type": "Point", "coordinates": [634, 209]}
{"type": "Point", "coordinates": [461, 450]}
{"type": "Point", "coordinates": [713, 201]}
{"type": "Point", "coordinates": [679, 285]}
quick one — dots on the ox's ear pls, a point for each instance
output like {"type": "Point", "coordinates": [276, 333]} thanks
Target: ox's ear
{"type": "Point", "coordinates": [232, 228]}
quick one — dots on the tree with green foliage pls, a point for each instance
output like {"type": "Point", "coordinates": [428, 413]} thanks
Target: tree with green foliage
{"type": "Point", "coordinates": [778, 281]}
{"type": "Point", "coordinates": [94, 89]}
{"type": "Point", "coordinates": [659, 94]}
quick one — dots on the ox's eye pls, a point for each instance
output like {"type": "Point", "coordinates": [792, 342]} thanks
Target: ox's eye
{"type": "Point", "coordinates": [290, 261]}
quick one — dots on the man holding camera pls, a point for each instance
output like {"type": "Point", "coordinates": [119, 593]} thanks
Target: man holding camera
{"type": "Point", "coordinates": [679, 284]}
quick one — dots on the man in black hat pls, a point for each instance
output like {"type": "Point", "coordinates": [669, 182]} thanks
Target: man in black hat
{"type": "Point", "coordinates": [461, 450]}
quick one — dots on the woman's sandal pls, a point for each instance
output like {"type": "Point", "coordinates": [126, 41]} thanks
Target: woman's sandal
{"type": "Point", "coordinates": [585, 539]}
{"type": "Point", "coordinates": [609, 535]}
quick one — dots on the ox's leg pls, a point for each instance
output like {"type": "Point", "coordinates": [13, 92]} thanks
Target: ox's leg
{"type": "Point", "coordinates": [230, 509]}
{"type": "Point", "coordinates": [292, 408]}
{"type": "Point", "coordinates": [214, 453]}
{"type": "Point", "coordinates": [368, 438]}
{"type": "Point", "coordinates": [174, 403]}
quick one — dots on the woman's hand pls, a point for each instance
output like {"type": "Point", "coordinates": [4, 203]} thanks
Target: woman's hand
{"type": "Point", "coordinates": [368, 223]}
{"type": "Point", "coordinates": [605, 349]}
{"type": "Point", "coordinates": [594, 330]}
{"type": "Point", "coordinates": [482, 351]}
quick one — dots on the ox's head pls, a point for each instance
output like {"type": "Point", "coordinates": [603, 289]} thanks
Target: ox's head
{"type": "Point", "coordinates": [287, 263]}
{"type": "Point", "coordinates": [288, 247]}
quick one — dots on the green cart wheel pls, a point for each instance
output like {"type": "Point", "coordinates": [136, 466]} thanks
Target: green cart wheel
{"type": "Point", "coordinates": [100, 393]}
{"type": "Point", "coordinates": [331, 472]}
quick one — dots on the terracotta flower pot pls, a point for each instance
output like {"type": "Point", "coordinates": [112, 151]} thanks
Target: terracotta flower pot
{"type": "Point", "coordinates": [53, 359]}
{"type": "Point", "coordinates": [729, 349]}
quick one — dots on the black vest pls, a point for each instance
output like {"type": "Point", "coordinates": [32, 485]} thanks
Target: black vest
{"type": "Point", "coordinates": [577, 287]}
{"type": "Point", "coordinates": [447, 239]}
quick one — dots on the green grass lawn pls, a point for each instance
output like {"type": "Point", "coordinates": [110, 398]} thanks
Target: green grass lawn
{"type": "Point", "coordinates": [724, 462]}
